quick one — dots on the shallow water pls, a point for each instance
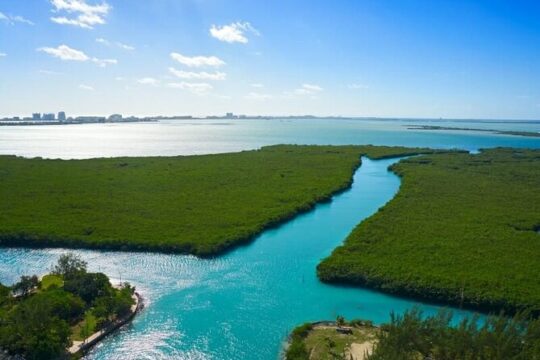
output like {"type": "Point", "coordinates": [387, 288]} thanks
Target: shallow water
{"type": "Point", "coordinates": [241, 305]}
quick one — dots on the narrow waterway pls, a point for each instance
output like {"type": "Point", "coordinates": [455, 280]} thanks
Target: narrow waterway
{"type": "Point", "coordinates": [241, 305]}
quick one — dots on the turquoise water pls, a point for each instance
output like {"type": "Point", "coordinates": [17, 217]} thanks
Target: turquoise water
{"type": "Point", "coordinates": [242, 305]}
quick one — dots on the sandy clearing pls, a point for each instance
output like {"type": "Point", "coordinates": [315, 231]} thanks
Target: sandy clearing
{"type": "Point", "coordinates": [359, 351]}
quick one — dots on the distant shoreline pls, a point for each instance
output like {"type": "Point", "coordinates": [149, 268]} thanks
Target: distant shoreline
{"type": "Point", "coordinates": [74, 122]}
{"type": "Point", "coordinates": [493, 131]}
{"type": "Point", "coordinates": [154, 119]}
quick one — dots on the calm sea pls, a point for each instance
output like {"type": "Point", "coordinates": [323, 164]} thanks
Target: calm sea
{"type": "Point", "coordinates": [187, 137]}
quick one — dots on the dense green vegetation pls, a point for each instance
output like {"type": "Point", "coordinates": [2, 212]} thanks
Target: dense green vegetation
{"type": "Point", "coordinates": [412, 337]}
{"type": "Point", "coordinates": [39, 320]}
{"type": "Point", "coordinates": [188, 204]}
{"type": "Point", "coordinates": [462, 229]}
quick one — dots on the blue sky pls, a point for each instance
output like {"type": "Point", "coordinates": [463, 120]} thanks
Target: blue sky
{"type": "Point", "coordinates": [406, 58]}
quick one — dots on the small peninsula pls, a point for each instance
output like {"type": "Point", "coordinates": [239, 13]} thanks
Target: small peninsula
{"type": "Point", "coordinates": [62, 313]}
{"type": "Point", "coordinates": [414, 336]}
{"type": "Point", "coordinates": [463, 229]}
{"type": "Point", "coordinates": [201, 205]}
{"type": "Point", "coordinates": [493, 131]}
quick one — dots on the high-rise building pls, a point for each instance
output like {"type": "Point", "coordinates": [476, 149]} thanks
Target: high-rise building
{"type": "Point", "coordinates": [36, 116]}
{"type": "Point", "coordinates": [61, 116]}
{"type": "Point", "coordinates": [49, 116]}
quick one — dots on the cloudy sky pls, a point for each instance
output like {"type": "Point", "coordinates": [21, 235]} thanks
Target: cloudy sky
{"type": "Point", "coordinates": [407, 58]}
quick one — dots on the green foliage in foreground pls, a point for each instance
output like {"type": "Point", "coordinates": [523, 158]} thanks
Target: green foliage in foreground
{"type": "Point", "coordinates": [51, 280]}
{"type": "Point", "coordinates": [412, 337]}
{"type": "Point", "coordinates": [297, 349]}
{"type": "Point", "coordinates": [40, 323]}
{"type": "Point", "coordinates": [463, 229]}
{"type": "Point", "coordinates": [188, 204]}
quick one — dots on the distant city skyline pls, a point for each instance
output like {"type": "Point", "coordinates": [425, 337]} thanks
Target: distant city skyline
{"type": "Point", "coordinates": [407, 58]}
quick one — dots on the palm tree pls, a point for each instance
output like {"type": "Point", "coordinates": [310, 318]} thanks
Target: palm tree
{"type": "Point", "coordinates": [340, 321]}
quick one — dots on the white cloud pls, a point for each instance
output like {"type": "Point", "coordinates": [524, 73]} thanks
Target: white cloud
{"type": "Point", "coordinates": [189, 75]}
{"type": "Point", "coordinates": [195, 88]}
{"type": "Point", "coordinates": [357, 86]}
{"type": "Point", "coordinates": [197, 61]}
{"type": "Point", "coordinates": [258, 86]}
{"type": "Point", "coordinates": [103, 41]}
{"type": "Point", "coordinates": [125, 46]}
{"type": "Point", "coordinates": [3, 54]}
{"type": "Point", "coordinates": [104, 62]}
{"type": "Point", "coordinates": [258, 96]}
{"type": "Point", "coordinates": [65, 53]}
{"type": "Point", "coordinates": [312, 88]}
{"type": "Point", "coordinates": [80, 6]}
{"type": "Point", "coordinates": [232, 33]}
{"type": "Point", "coordinates": [148, 81]}
{"type": "Point", "coordinates": [21, 20]}
{"type": "Point", "coordinates": [62, 20]}
{"type": "Point", "coordinates": [118, 44]}
{"type": "Point", "coordinates": [12, 19]}
{"type": "Point", "coordinates": [86, 87]}
{"type": "Point", "coordinates": [80, 13]}
{"type": "Point", "coordinates": [308, 89]}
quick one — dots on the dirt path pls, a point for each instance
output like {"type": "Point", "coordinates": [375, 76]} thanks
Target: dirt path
{"type": "Point", "coordinates": [359, 351]}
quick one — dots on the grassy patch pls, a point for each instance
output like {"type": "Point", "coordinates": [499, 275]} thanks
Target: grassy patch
{"type": "Point", "coordinates": [462, 229]}
{"type": "Point", "coordinates": [51, 280]}
{"type": "Point", "coordinates": [328, 344]}
{"type": "Point", "coordinates": [324, 342]}
{"type": "Point", "coordinates": [187, 204]}
{"type": "Point", "coordinates": [85, 328]}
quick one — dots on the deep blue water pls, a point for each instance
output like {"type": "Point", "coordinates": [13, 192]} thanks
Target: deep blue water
{"type": "Point", "coordinates": [241, 305]}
